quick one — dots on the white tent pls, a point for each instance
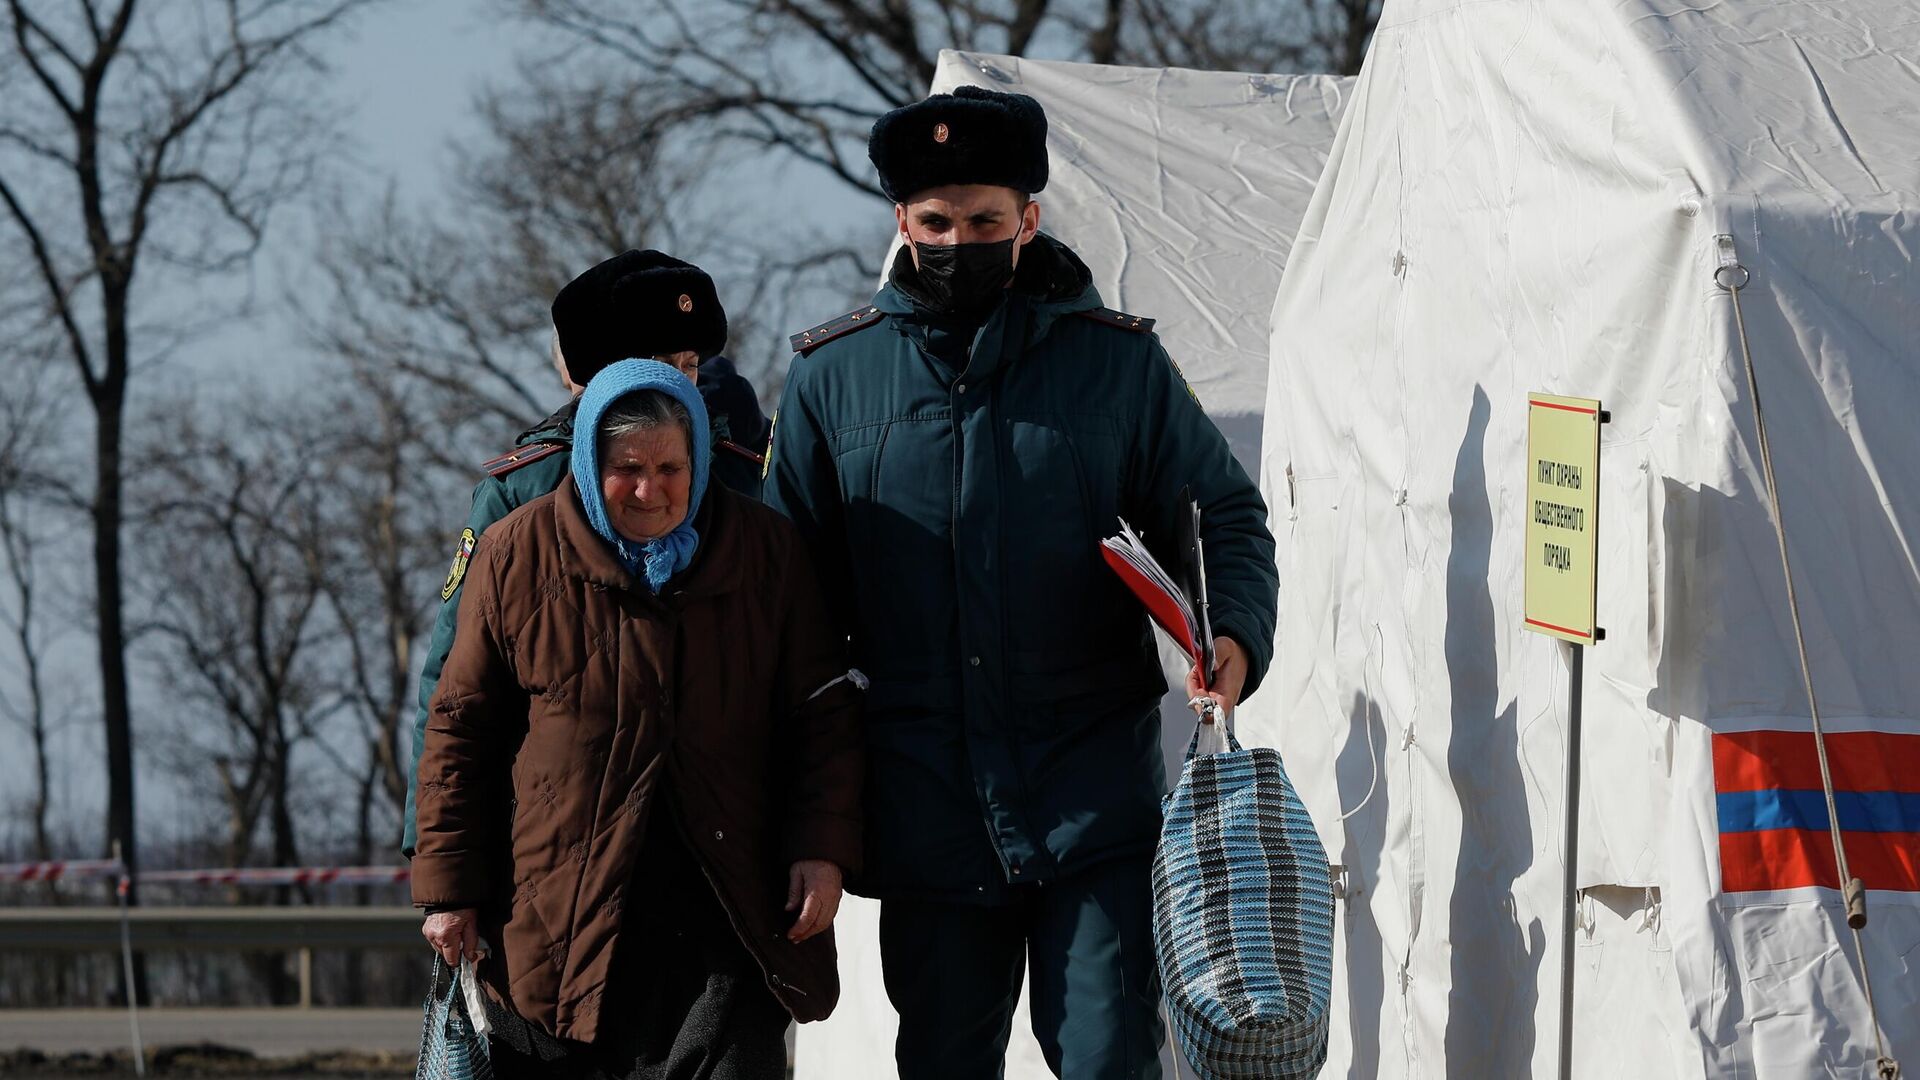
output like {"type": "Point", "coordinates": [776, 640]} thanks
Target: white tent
{"type": "Point", "coordinates": [1181, 191]}
{"type": "Point", "coordinates": [1532, 195]}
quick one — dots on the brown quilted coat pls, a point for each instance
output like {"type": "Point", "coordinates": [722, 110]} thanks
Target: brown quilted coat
{"type": "Point", "coordinates": [574, 699]}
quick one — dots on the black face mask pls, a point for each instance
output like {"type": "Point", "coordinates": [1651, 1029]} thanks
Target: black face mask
{"type": "Point", "coordinates": [964, 279]}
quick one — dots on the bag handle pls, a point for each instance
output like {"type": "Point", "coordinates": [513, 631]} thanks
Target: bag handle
{"type": "Point", "coordinates": [464, 981]}
{"type": "Point", "coordinates": [470, 990]}
{"type": "Point", "coordinates": [1214, 728]}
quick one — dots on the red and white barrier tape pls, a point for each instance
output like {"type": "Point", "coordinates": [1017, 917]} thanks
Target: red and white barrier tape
{"type": "Point", "coordinates": [109, 869]}
{"type": "Point", "coordinates": [67, 869]}
{"type": "Point", "coordinates": [290, 875]}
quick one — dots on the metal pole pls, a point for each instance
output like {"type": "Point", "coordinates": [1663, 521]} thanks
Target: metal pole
{"type": "Point", "coordinates": [1570, 896]}
{"type": "Point", "coordinates": [121, 888]}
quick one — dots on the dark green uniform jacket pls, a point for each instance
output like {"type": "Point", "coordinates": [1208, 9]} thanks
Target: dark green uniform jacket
{"type": "Point", "coordinates": [541, 456]}
{"type": "Point", "coordinates": [955, 484]}
{"type": "Point", "coordinates": [509, 484]}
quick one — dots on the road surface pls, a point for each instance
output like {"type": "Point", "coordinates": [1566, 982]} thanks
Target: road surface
{"type": "Point", "coordinates": [266, 1032]}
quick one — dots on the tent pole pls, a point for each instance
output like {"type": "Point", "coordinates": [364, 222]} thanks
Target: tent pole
{"type": "Point", "coordinates": [1570, 889]}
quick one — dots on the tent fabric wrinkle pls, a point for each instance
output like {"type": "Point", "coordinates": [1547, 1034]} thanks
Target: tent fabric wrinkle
{"type": "Point", "coordinates": [1556, 175]}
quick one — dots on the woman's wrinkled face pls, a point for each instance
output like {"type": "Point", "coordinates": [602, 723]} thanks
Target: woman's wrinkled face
{"type": "Point", "coordinates": [646, 478]}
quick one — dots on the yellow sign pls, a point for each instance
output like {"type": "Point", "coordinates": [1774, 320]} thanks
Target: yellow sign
{"type": "Point", "coordinates": [1563, 515]}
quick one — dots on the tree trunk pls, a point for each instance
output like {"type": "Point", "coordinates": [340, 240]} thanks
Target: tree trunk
{"type": "Point", "coordinates": [286, 849]}
{"type": "Point", "coordinates": [356, 988]}
{"type": "Point", "coordinates": [42, 774]}
{"type": "Point", "coordinates": [20, 549]}
{"type": "Point", "coordinates": [109, 401]}
{"type": "Point", "coordinates": [285, 852]}
{"type": "Point", "coordinates": [1360, 22]}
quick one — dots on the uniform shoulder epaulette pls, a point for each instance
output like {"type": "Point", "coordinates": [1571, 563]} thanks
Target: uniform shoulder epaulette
{"type": "Point", "coordinates": [808, 340]}
{"type": "Point", "coordinates": [1139, 324]}
{"type": "Point", "coordinates": [519, 457]}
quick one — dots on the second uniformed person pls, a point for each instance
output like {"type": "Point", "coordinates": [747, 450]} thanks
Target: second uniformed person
{"type": "Point", "coordinates": [954, 454]}
{"type": "Point", "coordinates": [638, 304]}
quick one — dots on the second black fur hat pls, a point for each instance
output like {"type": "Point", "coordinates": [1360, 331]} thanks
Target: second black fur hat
{"type": "Point", "coordinates": [971, 136]}
{"type": "Point", "coordinates": [637, 304]}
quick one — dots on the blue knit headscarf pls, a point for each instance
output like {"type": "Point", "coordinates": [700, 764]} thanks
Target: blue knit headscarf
{"type": "Point", "coordinates": [657, 560]}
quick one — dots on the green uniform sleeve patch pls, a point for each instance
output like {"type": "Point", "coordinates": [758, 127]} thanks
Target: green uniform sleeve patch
{"type": "Point", "coordinates": [1182, 376]}
{"type": "Point", "coordinates": [458, 571]}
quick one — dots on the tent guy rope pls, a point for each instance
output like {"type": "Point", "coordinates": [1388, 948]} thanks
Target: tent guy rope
{"type": "Point", "coordinates": [1731, 276]}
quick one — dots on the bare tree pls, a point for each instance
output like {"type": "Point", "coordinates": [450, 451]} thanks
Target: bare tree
{"type": "Point", "coordinates": [415, 300]}
{"type": "Point", "coordinates": [232, 541]}
{"type": "Point", "coordinates": [1298, 37]}
{"type": "Point", "coordinates": [381, 547]}
{"type": "Point", "coordinates": [232, 536]}
{"type": "Point", "coordinates": [140, 134]}
{"type": "Point", "coordinates": [26, 432]}
{"type": "Point", "coordinates": [1342, 30]}
{"type": "Point", "coordinates": [441, 329]}
{"type": "Point", "coordinates": [807, 78]}
{"type": "Point", "coordinates": [453, 311]}
{"type": "Point", "coordinates": [764, 86]}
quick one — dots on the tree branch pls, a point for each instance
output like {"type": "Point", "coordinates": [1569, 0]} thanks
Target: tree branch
{"type": "Point", "coordinates": [25, 24]}
{"type": "Point", "coordinates": [56, 293]}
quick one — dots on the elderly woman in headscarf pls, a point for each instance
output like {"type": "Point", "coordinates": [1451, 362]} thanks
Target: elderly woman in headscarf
{"type": "Point", "coordinates": [640, 785]}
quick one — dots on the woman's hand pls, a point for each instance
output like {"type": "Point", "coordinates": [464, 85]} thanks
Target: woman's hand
{"type": "Point", "coordinates": [453, 934]}
{"type": "Point", "coordinates": [813, 889]}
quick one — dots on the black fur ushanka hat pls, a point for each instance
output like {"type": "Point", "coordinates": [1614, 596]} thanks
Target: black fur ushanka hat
{"type": "Point", "coordinates": [637, 304]}
{"type": "Point", "coordinates": [971, 136]}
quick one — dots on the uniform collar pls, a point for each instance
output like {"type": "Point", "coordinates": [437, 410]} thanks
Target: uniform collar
{"type": "Point", "coordinates": [557, 428]}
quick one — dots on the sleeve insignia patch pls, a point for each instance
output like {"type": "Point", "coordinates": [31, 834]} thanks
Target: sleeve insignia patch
{"type": "Point", "coordinates": [458, 571]}
{"type": "Point", "coordinates": [1182, 376]}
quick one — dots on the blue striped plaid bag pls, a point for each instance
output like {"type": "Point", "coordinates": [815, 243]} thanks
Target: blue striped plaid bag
{"type": "Point", "coordinates": [453, 1041]}
{"type": "Point", "coordinates": [1243, 917]}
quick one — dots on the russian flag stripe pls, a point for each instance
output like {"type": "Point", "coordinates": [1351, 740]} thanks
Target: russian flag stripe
{"type": "Point", "coordinates": [1861, 761]}
{"type": "Point", "coordinates": [1860, 811]}
{"type": "Point", "coordinates": [1797, 858]}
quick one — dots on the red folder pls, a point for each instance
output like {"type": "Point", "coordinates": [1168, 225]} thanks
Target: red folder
{"type": "Point", "coordinates": [1179, 610]}
{"type": "Point", "coordinates": [1166, 608]}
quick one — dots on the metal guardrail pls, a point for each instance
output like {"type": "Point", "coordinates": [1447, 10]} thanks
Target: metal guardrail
{"type": "Point", "coordinates": [201, 929]}
{"type": "Point", "coordinates": [299, 930]}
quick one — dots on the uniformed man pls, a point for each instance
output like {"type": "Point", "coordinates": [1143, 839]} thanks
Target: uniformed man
{"type": "Point", "coordinates": [636, 304]}
{"type": "Point", "coordinates": [954, 453]}
{"type": "Point", "coordinates": [739, 427]}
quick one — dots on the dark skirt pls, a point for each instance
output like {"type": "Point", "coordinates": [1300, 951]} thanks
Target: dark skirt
{"type": "Point", "coordinates": [685, 1000]}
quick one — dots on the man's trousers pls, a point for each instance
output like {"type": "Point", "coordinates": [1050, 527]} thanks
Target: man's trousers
{"type": "Point", "coordinates": [953, 972]}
